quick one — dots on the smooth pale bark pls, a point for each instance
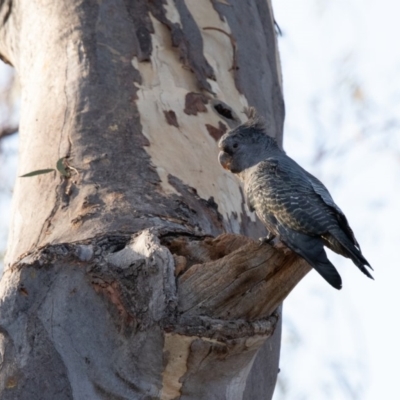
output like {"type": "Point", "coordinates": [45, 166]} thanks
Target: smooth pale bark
{"type": "Point", "coordinates": [115, 287]}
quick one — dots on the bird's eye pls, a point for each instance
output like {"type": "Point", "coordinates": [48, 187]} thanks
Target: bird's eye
{"type": "Point", "coordinates": [235, 145]}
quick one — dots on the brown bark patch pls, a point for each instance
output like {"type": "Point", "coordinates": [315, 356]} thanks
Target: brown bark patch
{"type": "Point", "coordinates": [180, 264]}
{"type": "Point", "coordinates": [216, 133]}
{"type": "Point", "coordinates": [171, 119]}
{"type": "Point", "coordinates": [112, 291]}
{"type": "Point", "coordinates": [195, 103]}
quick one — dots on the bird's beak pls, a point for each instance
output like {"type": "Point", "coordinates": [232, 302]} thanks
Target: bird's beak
{"type": "Point", "coordinates": [225, 160]}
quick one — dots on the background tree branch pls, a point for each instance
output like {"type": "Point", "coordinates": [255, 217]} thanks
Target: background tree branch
{"type": "Point", "coordinates": [8, 130]}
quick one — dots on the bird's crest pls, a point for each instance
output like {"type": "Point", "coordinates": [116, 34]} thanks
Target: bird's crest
{"type": "Point", "coordinates": [253, 131]}
{"type": "Point", "coordinates": [254, 120]}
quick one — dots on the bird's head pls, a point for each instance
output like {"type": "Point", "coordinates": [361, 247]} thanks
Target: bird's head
{"type": "Point", "coordinates": [246, 145]}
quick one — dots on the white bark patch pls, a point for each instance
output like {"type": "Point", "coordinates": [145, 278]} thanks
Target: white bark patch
{"type": "Point", "coordinates": [188, 151]}
{"type": "Point", "coordinates": [176, 351]}
{"type": "Point", "coordinates": [219, 52]}
{"type": "Point", "coordinates": [172, 13]}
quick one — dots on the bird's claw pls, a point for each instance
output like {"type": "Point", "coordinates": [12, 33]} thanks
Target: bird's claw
{"type": "Point", "coordinates": [267, 239]}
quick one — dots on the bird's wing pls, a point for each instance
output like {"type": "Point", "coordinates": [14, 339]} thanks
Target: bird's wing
{"type": "Point", "coordinates": [280, 187]}
{"type": "Point", "coordinates": [319, 188]}
{"type": "Point", "coordinates": [322, 191]}
{"type": "Point", "coordinates": [340, 237]}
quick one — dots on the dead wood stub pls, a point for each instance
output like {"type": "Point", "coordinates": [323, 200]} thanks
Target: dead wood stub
{"type": "Point", "coordinates": [233, 277]}
{"type": "Point", "coordinates": [202, 250]}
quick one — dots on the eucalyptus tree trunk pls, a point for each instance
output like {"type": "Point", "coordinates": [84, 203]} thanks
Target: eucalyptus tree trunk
{"type": "Point", "coordinates": [130, 270]}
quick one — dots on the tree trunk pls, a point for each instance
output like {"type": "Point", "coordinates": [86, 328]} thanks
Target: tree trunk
{"type": "Point", "coordinates": [120, 282]}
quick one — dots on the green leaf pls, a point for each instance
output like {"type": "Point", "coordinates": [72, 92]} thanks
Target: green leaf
{"type": "Point", "coordinates": [60, 167]}
{"type": "Point", "coordinates": [38, 172]}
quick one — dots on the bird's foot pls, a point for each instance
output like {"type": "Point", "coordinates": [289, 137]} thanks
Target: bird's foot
{"type": "Point", "coordinates": [275, 242]}
{"type": "Point", "coordinates": [267, 239]}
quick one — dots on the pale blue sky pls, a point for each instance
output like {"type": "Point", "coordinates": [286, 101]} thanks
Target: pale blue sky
{"type": "Point", "coordinates": [340, 64]}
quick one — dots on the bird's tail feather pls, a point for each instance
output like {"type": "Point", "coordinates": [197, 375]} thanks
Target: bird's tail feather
{"type": "Point", "coordinates": [312, 250]}
{"type": "Point", "coordinates": [325, 268]}
{"type": "Point", "coordinates": [353, 252]}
